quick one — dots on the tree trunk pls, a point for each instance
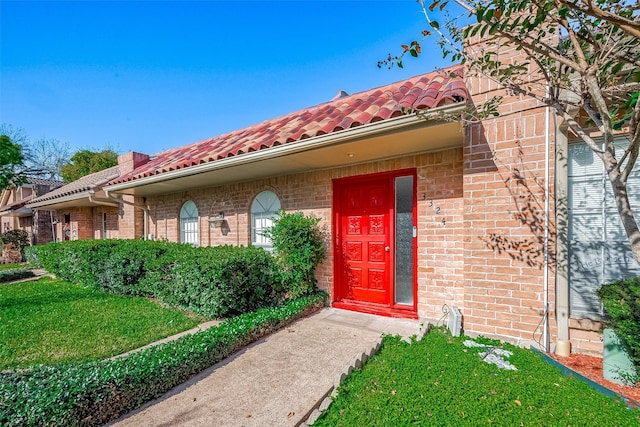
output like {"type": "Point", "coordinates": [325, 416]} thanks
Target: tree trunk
{"type": "Point", "coordinates": [626, 214]}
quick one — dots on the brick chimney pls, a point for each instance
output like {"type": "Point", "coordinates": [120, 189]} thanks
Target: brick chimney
{"type": "Point", "coordinates": [130, 161]}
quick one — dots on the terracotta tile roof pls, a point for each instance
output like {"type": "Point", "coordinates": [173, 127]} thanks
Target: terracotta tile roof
{"type": "Point", "coordinates": [435, 89]}
{"type": "Point", "coordinates": [81, 185]}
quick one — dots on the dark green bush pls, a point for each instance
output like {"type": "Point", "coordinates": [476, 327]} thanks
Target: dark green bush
{"type": "Point", "coordinates": [19, 238]}
{"type": "Point", "coordinates": [213, 281]}
{"type": "Point", "coordinates": [15, 274]}
{"type": "Point", "coordinates": [98, 392]}
{"type": "Point", "coordinates": [115, 266]}
{"type": "Point", "coordinates": [299, 245]}
{"type": "Point", "coordinates": [216, 282]}
{"type": "Point", "coordinates": [621, 300]}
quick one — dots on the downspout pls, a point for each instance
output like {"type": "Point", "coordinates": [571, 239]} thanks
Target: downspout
{"type": "Point", "coordinates": [53, 227]}
{"type": "Point", "coordinates": [103, 202]}
{"type": "Point", "coordinates": [563, 342]}
{"type": "Point", "coordinates": [545, 329]}
{"type": "Point", "coordinates": [145, 210]}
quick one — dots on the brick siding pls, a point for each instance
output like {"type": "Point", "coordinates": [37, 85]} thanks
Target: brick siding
{"type": "Point", "coordinates": [504, 184]}
{"type": "Point", "coordinates": [440, 244]}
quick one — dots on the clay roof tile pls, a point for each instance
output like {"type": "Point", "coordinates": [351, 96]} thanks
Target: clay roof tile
{"type": "Point", "coordinates": [430, 90]}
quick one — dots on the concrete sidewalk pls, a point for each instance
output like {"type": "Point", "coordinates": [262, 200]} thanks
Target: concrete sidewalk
{"type": "Point", "coordinates": [278, 380]}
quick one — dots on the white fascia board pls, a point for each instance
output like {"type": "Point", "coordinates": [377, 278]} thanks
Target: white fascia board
{"type": "Point", "coordinates": [371, 129]}
{"type": "Point", "coordinates": [58, 200]}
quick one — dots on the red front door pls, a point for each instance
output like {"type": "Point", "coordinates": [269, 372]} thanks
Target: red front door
{"type": "Point", "coordinates": [365, 230]}
{"type": "Point", "coordinates": [375, 243]}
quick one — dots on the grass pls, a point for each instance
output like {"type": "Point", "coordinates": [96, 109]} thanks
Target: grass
{"type": "Point", "coordinates": [12, 266]}
{"type": "Point", "coordinates": [440, 382]}
{"type": "Point", "coordinates": [50, 321]}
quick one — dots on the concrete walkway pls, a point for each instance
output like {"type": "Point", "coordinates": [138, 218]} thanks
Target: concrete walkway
{"type": "Point", "coordinates": [277, 381]}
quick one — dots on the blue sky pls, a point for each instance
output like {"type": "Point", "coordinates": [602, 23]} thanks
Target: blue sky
{"type": "Point", "coordinates": [153, 75]}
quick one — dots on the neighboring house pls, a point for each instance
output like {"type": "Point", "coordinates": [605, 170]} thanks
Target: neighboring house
{"type": "Point", "coordinates": [15, 215]}
{"type": "Point", "coordinates": [424, 213]}
{"type": "Point", "coordinates": [83, 210]}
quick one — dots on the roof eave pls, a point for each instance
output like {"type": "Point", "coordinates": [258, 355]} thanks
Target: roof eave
{"type": "Point", "coordinates": [59, 200]}
{"type": "Point", "coordinates": [339, 137]}
{"type": "Point", "coordinates": [82, 193]}
{"type": "Point", "coordinates": [20, 212]}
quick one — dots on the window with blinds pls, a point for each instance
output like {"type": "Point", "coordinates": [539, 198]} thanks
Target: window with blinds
{"type": "Point", "coordinates": [599, 250]}
{"type": "Point", "coordinates": [189, 223]}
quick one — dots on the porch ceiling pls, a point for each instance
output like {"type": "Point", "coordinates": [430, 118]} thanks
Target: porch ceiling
{"type": "Point", "coordinates": [76, 200]}
{"type": "Point", "coordinates": [418, 139]}
{"type": "Point", "coordinates": [21, 212]}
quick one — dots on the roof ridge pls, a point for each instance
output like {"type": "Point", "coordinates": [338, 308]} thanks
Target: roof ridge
{"type": "Point", "coordinates": [424, 91]}
{"type": "Point", "coordinates": [305, 109]}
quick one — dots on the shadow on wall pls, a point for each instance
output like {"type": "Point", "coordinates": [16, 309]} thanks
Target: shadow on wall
{"type": "Point", "coordinates": [527, 193]}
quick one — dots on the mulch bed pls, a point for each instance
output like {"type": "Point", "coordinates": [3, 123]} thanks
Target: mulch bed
{"type": "Point", "coordinates": [591, 367]}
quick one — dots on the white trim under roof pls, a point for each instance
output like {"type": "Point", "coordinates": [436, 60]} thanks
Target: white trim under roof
{"type": "Point", "coordinates": [371, 130]}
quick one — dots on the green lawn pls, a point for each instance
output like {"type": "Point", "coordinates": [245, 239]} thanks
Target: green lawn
{"type": "Point", "coordinates": [50, 321]}
{"type": "Point", "coordinates": [440, 382]}
{"type": "Point", "coordinates": [12, 266]}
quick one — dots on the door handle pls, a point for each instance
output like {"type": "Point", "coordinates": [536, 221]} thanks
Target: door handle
{"type": "Point", "coordinates": [387, 248]}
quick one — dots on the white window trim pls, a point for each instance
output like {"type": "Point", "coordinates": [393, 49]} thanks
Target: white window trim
{"type": "Point", "coordinates": [264, 208]}
{"type": "Point", "coordinates": [189, 225]}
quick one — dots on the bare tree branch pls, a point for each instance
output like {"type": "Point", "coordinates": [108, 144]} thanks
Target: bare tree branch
{"type": "Point", "coordinates": [630, 27]}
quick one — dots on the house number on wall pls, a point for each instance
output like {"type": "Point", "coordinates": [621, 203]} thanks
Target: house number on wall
{"type": "Point", "coordinates": [436, 209]}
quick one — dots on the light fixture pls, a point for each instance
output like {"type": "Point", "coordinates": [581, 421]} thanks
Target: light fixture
{"type": "Point", "coordinates": [351, 154]}
{"type": "Point", "coordinates": [217, 221]}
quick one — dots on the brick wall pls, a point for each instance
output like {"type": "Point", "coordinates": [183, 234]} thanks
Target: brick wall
{"type": "Point", "coordinates": [9, 222]}
{"type": "Point", "coordinates": [82, 223]}
{"type": "Point", "coordinates": [503, 187]}
{"type": "Point", "coordinates": [130, 220]}
{"type": "Point", "coordinates": [38, 224]}
{"type": "Point", "coordinates": [440, 224]}
{"type": "Point", "coordinates": [42, 227]}
{"type": "Point", "coordinates": [112, 223]}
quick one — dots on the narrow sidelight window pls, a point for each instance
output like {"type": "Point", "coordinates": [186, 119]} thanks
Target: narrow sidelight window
{"type": "Point", "coordinates": [404, 249]}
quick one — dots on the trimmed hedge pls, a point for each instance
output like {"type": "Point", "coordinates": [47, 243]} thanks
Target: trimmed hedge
{"type": "Point", "coordinates": [212, 281]}
{"type": "Point", "coordinates": [98, 392]}
{"type": "Point", "coordinates": [216, 282]}
{"type": "Point", "coordinates": [115, 266]}
{"type": "Point", "coordinates": [15, 274]}
{"type": "Point", "coordinates": [621, 300]}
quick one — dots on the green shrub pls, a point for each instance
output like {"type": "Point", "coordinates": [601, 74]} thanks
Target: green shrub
{"type": "Point", "coordinates": [31, 256]}
{"type": "Point", "coordinates": [15, 265]}
{"type": "Point", "coordinates": [19, 238]}
{"type": "Point", "coordinates": [299, 245]}
{"type": "Point", "coordinates": [15, 274]}
{"type": "Point", "coordinates": [115, 266]}
{"type": "Point", "coordinates": [98, 392]}
{"type": "Point", "coordinates": [621, 300]}
{"type": "Point", "coordinates": [212, 281]}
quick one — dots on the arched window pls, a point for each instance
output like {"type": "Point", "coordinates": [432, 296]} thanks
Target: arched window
{"type": "Point", "coordinates": [263, 209]}
{"type": "Point", "coordinates": [189, 223]}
